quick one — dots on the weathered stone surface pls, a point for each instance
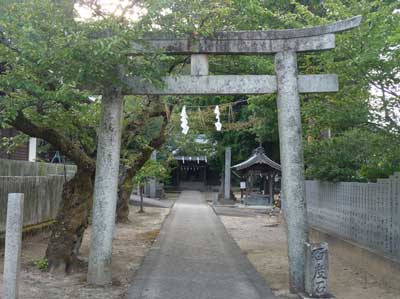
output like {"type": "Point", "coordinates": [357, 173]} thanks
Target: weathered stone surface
{"type": "Point", "coordinates": [153, 182]}
{"type": "Point", "coordinates": [12, 254]}
{"type": "Point", "coordinates": [236, 46]}
{"type": "Point", "coordinates": [339, 26]}
{"type": "Point", "coordinates": [317, 270]}
{"type": "Point", "coordinates": [105, 190]}
{"type": "Point", "coordinates": [251, 42]}
{"type": "Point", "coordinates": [215, 198]}
{"type": "Point", "coordinates": [199, 65]}
{"type": "Point", "coordinates": [227, 187]}
{"type": "Point", "coordinates": [292, 165]}
{"type": "Point", "coordinates": [254, 199]}
{"type": "Point", "coordinates": [230, 85]}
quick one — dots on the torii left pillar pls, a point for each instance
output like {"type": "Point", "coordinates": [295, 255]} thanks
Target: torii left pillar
{"type": "Point", "coordinates": [105, 189]}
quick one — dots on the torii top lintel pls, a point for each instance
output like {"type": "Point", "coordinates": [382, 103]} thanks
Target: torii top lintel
{"type": "Point", "coordinates": [240, 42]}
{"type": "Point", "coordinates": [252, 42]}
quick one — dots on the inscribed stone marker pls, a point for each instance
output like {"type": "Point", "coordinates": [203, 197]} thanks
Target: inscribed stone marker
{"type": "Point", "coordinates": [317, 270]}
{"type": "Point", "coordinates": [12, 254]}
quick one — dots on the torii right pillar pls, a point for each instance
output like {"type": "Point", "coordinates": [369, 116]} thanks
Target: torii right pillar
{"type": "Point", "coordinates": [292, 163]}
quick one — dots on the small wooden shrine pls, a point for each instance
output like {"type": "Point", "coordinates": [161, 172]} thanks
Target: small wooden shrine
{"type": "Point", "coordinates": [190, 173]}
{"type": "Point", "coordinates": [259, 173]}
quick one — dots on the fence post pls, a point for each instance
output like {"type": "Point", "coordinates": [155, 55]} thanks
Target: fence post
{"type": "Point", "coordinates": [12, 255]}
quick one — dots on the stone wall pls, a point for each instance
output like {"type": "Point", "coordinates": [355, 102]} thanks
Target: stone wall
{"type": "Point", "coordinates": [367, 214]}
{"type": "Point", "coordinates": [42, 185]}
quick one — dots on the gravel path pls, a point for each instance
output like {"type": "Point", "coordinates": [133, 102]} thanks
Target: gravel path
{"type": "Point", "coordinates": [131, 243]}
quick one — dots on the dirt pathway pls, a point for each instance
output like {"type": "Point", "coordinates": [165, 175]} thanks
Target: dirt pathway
{"type": "Point", "coordinates": [131, 243]}
{"type": "Point", "coordinates": [266, 249]}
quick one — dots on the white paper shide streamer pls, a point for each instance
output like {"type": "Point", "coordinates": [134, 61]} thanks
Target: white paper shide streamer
{"type": "Point", "coordinates": [184, 121]}
{"type": "Point", "coordinates": [218, 124]}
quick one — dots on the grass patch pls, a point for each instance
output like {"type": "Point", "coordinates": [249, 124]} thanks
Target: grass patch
{"type": "Point", "coordinates": [42, 264]}
{"type": "Point", "coordinates": [149, 236]}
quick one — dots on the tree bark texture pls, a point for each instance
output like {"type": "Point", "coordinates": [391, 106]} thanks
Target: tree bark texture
{"type": "Point", "coordinates": [141, 210]}
{"type": "Point", "coordinates": [72, 217]}
{"type": "Point", "coordinates": [71, 222]}
{"type": "Point", "coordinates": [125, 186]}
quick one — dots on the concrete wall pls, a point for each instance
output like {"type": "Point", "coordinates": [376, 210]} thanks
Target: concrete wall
{"type": "Point", "coordinates": [42, 184]}
{"type": "Point", "coordinates": [367, 214]}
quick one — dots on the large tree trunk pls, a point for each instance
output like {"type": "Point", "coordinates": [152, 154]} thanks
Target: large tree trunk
{"type": "Point", "coordinates": [76, 202]}
{"type": "Point", "coordinates": [125, 186]}
{"type": "Point", "coordinates": [71, 222]}
{"type": "Point", "coordinates": [124, 194]}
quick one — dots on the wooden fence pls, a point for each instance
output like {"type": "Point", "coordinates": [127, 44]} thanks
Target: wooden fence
{"type": "Point", "coordinates": [42, 197]}
{"type": "Point", "coordinates": [364, 213]}
{"type": "Point", "coordinates": [26, 168]}
{"type": "Point", "coordinates": [42, 185]}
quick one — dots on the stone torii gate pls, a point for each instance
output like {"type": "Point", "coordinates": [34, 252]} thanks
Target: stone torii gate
{"type": "Point", "coordinates": [284, 44]}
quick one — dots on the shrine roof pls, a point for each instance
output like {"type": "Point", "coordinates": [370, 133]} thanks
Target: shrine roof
{"type": "Point", "coordinates": [258, 157]}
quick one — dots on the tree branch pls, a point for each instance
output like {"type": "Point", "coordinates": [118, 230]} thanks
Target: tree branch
{"type": "Point", "coordinates": [58, 140]}
{"type": "Point", "coordinates": [7, 42]}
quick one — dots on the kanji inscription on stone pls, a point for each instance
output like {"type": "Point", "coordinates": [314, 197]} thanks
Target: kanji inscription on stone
{"type": "Point", "coordinates": [317, 270]}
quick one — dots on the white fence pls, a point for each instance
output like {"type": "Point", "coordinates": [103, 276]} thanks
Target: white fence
{"type": "Point", "coordinates": [365, 213]}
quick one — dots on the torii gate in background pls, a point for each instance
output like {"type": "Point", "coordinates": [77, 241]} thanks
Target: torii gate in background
{"type": "Point", "coordinates": [284, 44]}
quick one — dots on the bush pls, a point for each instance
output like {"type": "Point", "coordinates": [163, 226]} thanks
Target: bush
{"type": "Point", "coordinates": [42, 264]}
{"type": "Point", "coordinates": [356, 155]}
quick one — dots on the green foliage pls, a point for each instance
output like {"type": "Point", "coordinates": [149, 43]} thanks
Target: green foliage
{"type": "Point", "coordinates": [188, 17]}
{"type": "Point", "coordinates": [366, 60]}
{"type": "Point", "coordinates": [11, 144]}
{"type": "Point", "coordinates": [42, 264]}
{"type": "Point", "coordinates": [140, 127]}
{"type": "Point", "coordinates": [54, 66]}
{"type": "Point", "coordinates": [356, 155]}
{"type": "Point", "coordinates": [151, 170]}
